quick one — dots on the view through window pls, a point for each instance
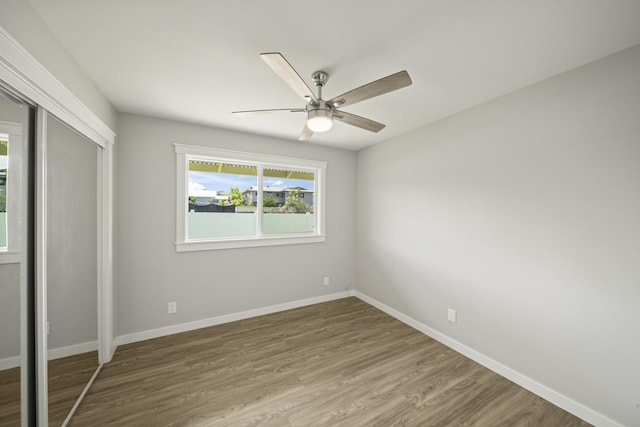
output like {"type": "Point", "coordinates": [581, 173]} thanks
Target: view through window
{"type": "Point", "coordinates": [224, 199]}
{"type": "Point", "coordinates": [218, 206]}
{"type": "Point", "coordinates": [4, 167]}
{"type": "Point", "coordinates": [287, 201]}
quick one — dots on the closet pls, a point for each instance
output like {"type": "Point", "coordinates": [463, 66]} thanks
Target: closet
{"type": "Point", "coordinates": [55, 317]}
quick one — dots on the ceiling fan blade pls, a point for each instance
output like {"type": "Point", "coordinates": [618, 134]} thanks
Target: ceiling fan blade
{"type": "Point", "coordinates": [277, 110]}
{"type": "Point", "coordinates": [379, 87]}
{"type": "Point", "coordinates": [279, 64]}
{"type": "Point", "coordinates": [306, 134]}
{"type": "Point", "coordinates": [358, 121]}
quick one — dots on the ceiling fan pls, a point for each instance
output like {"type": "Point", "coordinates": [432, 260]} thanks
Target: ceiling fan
{"type": "Point", "coordinates": [321, 113]}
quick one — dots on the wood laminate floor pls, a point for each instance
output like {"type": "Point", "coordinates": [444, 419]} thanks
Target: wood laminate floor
{"type": "Point", "coordinates": [10, 397]}
{"type": "Point", "coordinates": [67, 378]}
{"type": "Point", "coordinates": [341, 363]}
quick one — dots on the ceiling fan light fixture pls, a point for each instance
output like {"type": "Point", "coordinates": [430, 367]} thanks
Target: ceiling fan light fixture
{"type": "Point", "coordinates": [320, 120]}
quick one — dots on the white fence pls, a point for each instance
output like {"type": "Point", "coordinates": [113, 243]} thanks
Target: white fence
{"type": "Point", "coordinates": [3, 229]}
{"type": "Point", "coordinates": [208, 225]}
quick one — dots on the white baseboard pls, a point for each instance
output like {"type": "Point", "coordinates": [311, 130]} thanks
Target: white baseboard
{"type": "Point", "coordinates": [9, 363]}
{"type": "Point", "coordinates": [218, 320]}
{"type": "Point", "coordinates": [72, 350]}
{"type": "Point", "coordinates": [54, 353]}
{"type": "Point", "coordinates": [522, 380]}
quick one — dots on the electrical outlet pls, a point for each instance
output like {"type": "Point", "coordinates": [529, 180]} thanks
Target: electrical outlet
{"type": "Point", "coordinates": [173, 307]}
{"type": "Point", "coordinates": [326, 281]}
{"type": "Point", "coordinates": [451, 315]}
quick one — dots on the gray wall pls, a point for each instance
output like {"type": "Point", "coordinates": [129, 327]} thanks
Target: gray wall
{"type": "Point", "coordinates": [9, 310]}
{"type": "Point", "coordinates": [528, 224]}
{"type": "Point", "coordinates": [21, 20]}
{"type": "Point", "coordinates": [72, 236]}
{"type": "Point", "coordinates": [149, 273]}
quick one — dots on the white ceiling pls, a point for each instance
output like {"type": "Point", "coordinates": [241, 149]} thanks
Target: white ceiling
{"type": "Point", "coordinates": [197, 60]}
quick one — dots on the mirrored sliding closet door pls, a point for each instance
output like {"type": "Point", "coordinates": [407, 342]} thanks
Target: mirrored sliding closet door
{"type": "Point", "coordinates": [71, 266]}
{"type": "Point", "coordinates": [17, 271]}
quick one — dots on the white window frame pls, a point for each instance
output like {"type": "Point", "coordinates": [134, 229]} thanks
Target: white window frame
{"type": "Point", "coordinates": [185, 153]}
{"type": "Point", "coordinates": [15, 179]}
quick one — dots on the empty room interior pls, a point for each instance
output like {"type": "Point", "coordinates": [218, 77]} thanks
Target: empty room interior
{"type": "Point", "coordinates": [285, 213]}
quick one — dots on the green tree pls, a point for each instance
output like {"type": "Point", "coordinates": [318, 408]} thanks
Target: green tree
{"type": "Point", "coordinates": [236, 197]}
{"type": "Point", "coordinates": [3, 201]}
{"type": "Point", "coordinates": [269, 202]}
{"type": "Point", "coordinates": [294, 203]}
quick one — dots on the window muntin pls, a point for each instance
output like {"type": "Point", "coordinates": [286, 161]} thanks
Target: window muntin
{"type": "Point", "coordinates": [259, 200]}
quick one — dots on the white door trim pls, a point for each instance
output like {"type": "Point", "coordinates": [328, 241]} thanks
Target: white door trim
{"type": "Point", "coordinates": [42, 407]}
{"type": "Point", "coordinates": [25, 74]}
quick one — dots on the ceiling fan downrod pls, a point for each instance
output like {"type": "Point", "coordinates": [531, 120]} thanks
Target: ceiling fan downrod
{"type": "Point", "coordinates": [320, 78]}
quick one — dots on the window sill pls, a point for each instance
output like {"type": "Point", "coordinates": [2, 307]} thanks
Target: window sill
{"type": "Point", "coordinates": [249, 242]}
{"type": "Point", "coordinates": [10, 257]}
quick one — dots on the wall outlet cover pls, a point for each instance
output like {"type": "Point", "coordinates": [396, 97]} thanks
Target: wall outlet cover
{"type": "Point", "coordinates": [173, 307]}
{"type": "Point", "coordinates": [451, 315]}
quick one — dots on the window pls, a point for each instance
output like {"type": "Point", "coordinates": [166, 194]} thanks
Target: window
{"type": "Point", "coordinates": [10, 186]}
{"type": "Point", "coordinates": [230, 199]}
{"type": "Point", "coordinates": [4, 163]}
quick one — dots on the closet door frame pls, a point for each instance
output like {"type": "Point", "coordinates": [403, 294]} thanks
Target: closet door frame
{"type": "Point", "coordinates": [21, 71]}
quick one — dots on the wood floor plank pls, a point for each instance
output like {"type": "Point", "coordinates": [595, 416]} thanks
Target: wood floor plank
{"type": "Point", "coordinates": [67, 378]}
{"type": "Point", "coordinates": [10, 397]}
{"type": "Point", "coordinates": [341, 363]}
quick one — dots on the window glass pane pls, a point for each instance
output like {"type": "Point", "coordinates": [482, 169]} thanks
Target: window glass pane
{"type": "Point", "coordinates": [222, 200]}
{"type": "Point", "coordinates": [4, 163]}
{"type": "Point", "coordinates": [288, 201]}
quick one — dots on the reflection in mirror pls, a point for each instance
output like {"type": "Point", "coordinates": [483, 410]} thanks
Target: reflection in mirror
{"type": "Point", "coordinates": [9, 344]}
{"type": "Point", "coordinates": [72, 229]}
{"type": "Point", "coordinates": [4, 163]}
{"type": "Point", "coordinates": [13, 114]}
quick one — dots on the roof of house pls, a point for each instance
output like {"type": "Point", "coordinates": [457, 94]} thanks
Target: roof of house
{"type": "Point", "coordinates": [274, 189]}
{"type": "Point", "coordinates": [206, 193]}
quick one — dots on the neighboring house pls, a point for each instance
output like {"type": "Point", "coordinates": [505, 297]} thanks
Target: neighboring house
{"type": "Point", "coordinates": [280, 194]}
{"type": "Point", "coordinates": [207, 197]}
{"type": "Point", "coordinates": [303, 194]}
{"type": "Point", "coordinates": [277, 193]}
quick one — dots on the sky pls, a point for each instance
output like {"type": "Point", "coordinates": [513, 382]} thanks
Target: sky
{"type": "Point", "coordinates": [224, 181]}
